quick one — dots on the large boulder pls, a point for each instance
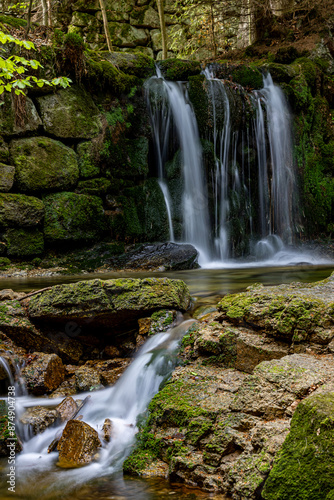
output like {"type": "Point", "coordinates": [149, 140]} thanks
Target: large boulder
{"type": "Point", "coordinates": [43, 164]}
{"type": "Point", "coordinates": [39, 418]}
{"type": "Point", "coordinates": [70, 114]}
{"type": "Point", "coordinates": [304, 468]}
{"type": "Point", "coordinates": [29, 122]}
{"type": "Point", "coordinates": [20, 210]}
{"type": "Point", "coordinates": [294, 312]}
{"type": "Point", "coordinates": [111, 303]}
{"type": "Point", "coordinates": [44, 373]}
{"type": "Point", "coordinates": [73, 217]}
{"type": "Point", "coordinates": [125, 35]}
{"type": "Point", "coordinates": [78, 445]}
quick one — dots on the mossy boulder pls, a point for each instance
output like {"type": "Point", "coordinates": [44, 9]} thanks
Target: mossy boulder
{"type": "Point", "coordinates": [20, 210]}
{"type": "Point", "coordinates": [104, 74]}
{"type": "Point", "coordinates": [177, 69]}
{"type": "Point", "coordinates": [70, 113]}
{"type": "Point", "coordinates": [9, 125]}
{"type": "Point", "coordinates": [247, 77]}
{"type": "Point", "coordinates": [6, 177]}
{"type": "Point", "coordinates": [125, 35]}
{"type": "Point", "coordinates": [87, 159]}
{"type": "Point", "coordinates": [139, 65]}
{"type": "Point", "coordinates": [111, 303]}
{"type": "Point", "coordinates": [43, 164]}
{"type": "Point", "coordinates": [132, 164]}
{"type": "Point", "coordinates": [296, 312]}
{"type": "Point", "coordinates": [4, 151]}
{"type": "Point", "coordinates": [24, 242]}
{"type": "Point", "coordinates": [73, 217]}
{"type": "Point", "coordinates": [303, 469]}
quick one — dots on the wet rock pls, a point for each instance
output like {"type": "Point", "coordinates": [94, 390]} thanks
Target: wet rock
{"type": "Point", "coordinates": [107, 430]}
{"type": "Point", "coordinates": [9, 441]}
{"type": "Point", "coordinates": [67, 388]}
{"type": "Point", "coordinates": [109, 371]}
{"type": "Point", "coordinates": [44, 373]}
{"type": "Point", "coordinates": [118, 302]}
{"type": "Point", "coordinates": [67, 409]}
{"type": "Point", "coordinates": [30, 118]}
{"type": "Point", "coordinates": [87, 379]}
{"type": "Point", "coordinates": [111, 351]}
{"type": "Point", "coordinates": [304, 467]}
{"type": "Point", "coordinates": [78, 445]}
{"type": "Point", "coordinates": [295, 312]}
{"type": "Point", "coordinates": [39, 418]}
{"type": "Point", "coordinates": [164, 256]}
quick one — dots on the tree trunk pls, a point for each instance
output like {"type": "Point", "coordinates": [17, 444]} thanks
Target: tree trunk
{"type": "Point", "coordinates": [105, 24]}
{"type": "Point", "coordinates": [161, 10]}
{"type": "Point", "coordinates": [45, 12]}
{"type": "Point", "coordinates": [29, 17]}
{"type": "Point", "coordinates": [49, 12]}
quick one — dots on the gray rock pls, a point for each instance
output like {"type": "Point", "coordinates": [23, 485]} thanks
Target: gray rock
{"type": "Point", "coordinates": [6, 177]}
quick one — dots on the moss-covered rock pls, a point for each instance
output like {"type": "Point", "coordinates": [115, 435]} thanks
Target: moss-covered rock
{"type": "Point", "coordinates": [139, 65]}
{"type": "Point", "coordinates": [126, 35]}
{"type": "Point", "coordinates": [24, 242]}
{"type": "Point", "coordinates": [70, 113]}
{"type": "Point", "coordinates": [247, 77]}
{"type": "Point", "coordinates": [43, 164]}
{"type": "Point", "coordinates": [134, 163]}
{"type": "Point", "coordinates": [304, 468]}
{"type": "Point", "coordinates": [13, 21]}
{"type": "Point", "coordinates": [104, 74]}
{"type": "Point", "coordinates": [156, 219]}
{"type": "Point", "coordinates": [6, 177]}
{"type": "Point", "coordinates": [20, 210]}
{"type": "Point", "coordinates": [177, 69]}
{"type": "Point", "coordinates": [297, 312]}
{"type": "Point", "coordinates": [73, 217]}
{"type": "Point", "coordinates": [30, 121]}
{"type": "Point", "coordinates": [4, 151]}
{"type": "Point", "coordinates": [87, 159]}
{"type": "Point", "coordinates": [111, 303]}
{"type": "Point", "coordinates": [97, 187]}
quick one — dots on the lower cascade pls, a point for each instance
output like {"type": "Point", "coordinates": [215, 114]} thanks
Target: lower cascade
{"type": "Point", "coordinates": [116, 409]}
{"type": "Point", "coordinates": [235, 194]}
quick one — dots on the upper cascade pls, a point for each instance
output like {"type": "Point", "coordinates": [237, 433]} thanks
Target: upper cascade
{"type": "Point", "coordinates": [236, 184]}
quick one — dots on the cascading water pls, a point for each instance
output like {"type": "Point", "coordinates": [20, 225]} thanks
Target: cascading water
{"type": "Point", "coordinates": [122, 403]}
{"type": "Point", "coordinates": [175, 109]}
{"type": "Point", "coordinates": [252, 183]}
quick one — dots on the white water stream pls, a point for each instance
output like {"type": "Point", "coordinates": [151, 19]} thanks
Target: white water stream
{"type": "Point", "coordinates": [122, 403]}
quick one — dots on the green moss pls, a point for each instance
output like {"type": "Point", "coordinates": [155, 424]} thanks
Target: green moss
{"type": "Point", "coordinates": [88, 157]}
{"type": "Point", "coordinates": [248, 77]}
{"type": "Point", "coordinates": [303, 469]}
{"type": "Point", "coordinates": [104, 75]}
{"type": "Point", "coordinates": [5, 263]}
{"type": "Point", "coordinates": [15, 22]}
{"type": "Point", "coordinates": [73, 217]}
{"type": "Point", "coordinates": [177, 69]}
{"type": "Point", "coordinates": [199, 99]}
{"type": "Point", "coordinates": [96, 187]}
{"type": "Point", "coordinates": [24, 242]}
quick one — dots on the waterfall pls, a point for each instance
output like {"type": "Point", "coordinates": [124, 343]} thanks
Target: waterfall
{"type": "Point", "coordinates": [122, 403]}
{"type": "Point", "coordinates": [15, 379]}
{"type": "Point", "coordinates": [244, 204]}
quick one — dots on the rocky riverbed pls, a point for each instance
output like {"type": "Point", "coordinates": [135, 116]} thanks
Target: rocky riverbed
{"type": "Point", "coordinates": [252, 396]}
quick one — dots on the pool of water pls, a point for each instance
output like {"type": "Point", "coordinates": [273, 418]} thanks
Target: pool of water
{"type": "Point", "coordinates": [202, 282]}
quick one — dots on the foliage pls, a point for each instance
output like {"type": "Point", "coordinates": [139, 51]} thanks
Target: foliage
{"type": "Point", "coordinates": [13, 69]}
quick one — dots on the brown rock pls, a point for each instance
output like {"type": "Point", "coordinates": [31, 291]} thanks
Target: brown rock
{"type": "Point", "coordinates": [144, 325]}
{"type": "Point", "coordinates": [39, 418]}
{"type": "Point", "coordinates": [111, 351]}
{"type": "Point", "coordinates": [78, 445]}
{"type": "Point", "coordinates": [8, 294]}
{"type": "Point", "coordinates": [44, 374]}
{"type": "Point", "coordinates": [107, 430]}
{"type": "Point", "coordinates": [87, 379]}
{"type": "Point", "coordinates": [67, 409]}
{"type": "Point", "coordinates": [67, 388]}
